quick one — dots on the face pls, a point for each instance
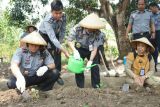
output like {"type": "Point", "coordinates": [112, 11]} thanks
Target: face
{"type": "Point", "coordinates": [141, 5]}
{"type": "Point", "coordinates": [57, 14]}
{"type": "Point", "coordinates": [33, 48]}
{"type": "Point", "coordinates": [141, 48]}
{"type": "Point", "coordinates": [153, 9]}
{"type": "Point", "coordinates": [31, 29]}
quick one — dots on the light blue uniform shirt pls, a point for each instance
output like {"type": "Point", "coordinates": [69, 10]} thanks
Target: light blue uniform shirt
{"type": "Point", "coordinates": [141, 21]}
{"type": "Point", "coordinates": [156, 18]}
{"type": "Point", "coordinates": [85, 38]}
{"type": "Point", "coordinates": [31, 62]}
{"type": "Point", "coordinates": [51, 27]}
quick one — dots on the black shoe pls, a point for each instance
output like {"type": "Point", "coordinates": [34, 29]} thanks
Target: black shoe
{"type": "Point", "coordinates": [60, 81]}
{"type": "Point", "coordinates": [117, 75]}
{"type": "Point", "coordinates": [155, 68]}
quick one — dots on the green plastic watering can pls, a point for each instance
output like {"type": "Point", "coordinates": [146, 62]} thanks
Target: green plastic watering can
{"type": "Point", "coordinates": [76, 66]}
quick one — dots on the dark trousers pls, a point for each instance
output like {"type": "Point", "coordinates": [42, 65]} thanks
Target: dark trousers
{"type": "Point", "coordinates": [95, 76]}
{"type": "Point", "coordinates": [45, 82]}
{"type": "Point", "coordinates": [101, 49]}
{"type": "Point", "coordinates": [158, 39]}
{"type": "Point", "coordinates": [155, 53]}
{"type": "Point", "coordinates": [140, 35]}
{"type": "Point", "coordinates": [54, 51]}
{"type": "Point", "coordinates": [56, 54]}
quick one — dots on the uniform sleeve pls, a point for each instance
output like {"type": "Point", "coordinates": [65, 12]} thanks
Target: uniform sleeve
{"type": "Point", "coordinates": [72, 35]}
{"type": "Point", "coordinates": [17, 56]}
{"type": "Point", "coordinates": [131, 19]}
{"type": "Point", "coordinates": [48, 60]}
{"type": "Point", "coordinates": [51, 34]}
{"type": "Point", "coordinates": [152, 19]}
{"type": "Point", "coordinates": [63, 30]}
{"type": "Point", "coordinates": [128, 65]}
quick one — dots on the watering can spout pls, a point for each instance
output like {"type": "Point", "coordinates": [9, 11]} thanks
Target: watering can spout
{"type": "Point", "coordinates": [76, 66]}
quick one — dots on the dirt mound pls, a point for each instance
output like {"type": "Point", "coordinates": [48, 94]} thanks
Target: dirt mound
{"type": "Point", "coordinates": [9, 96]}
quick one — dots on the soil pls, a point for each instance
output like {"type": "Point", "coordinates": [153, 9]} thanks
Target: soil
{"type": "Point", "coordinates": [68, 95]}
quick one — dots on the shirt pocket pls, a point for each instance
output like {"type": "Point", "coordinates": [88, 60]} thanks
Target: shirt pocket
{"type": "Point", "coordinates": [26, 64]}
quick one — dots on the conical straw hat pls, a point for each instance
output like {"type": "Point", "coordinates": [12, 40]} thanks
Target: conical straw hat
{"type": "Point", "coordinates": [92, 21]}
{"type": "Point", "coordinates": [142, 40]}
{"type": "Point", "coordinates": [34, 38]}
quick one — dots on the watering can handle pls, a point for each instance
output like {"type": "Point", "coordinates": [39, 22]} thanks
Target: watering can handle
{"type": "Point", "coordinates": [91, 66]}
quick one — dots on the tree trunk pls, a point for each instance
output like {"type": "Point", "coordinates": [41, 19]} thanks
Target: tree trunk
{"type": "Point", "coordinates": [117, 22]}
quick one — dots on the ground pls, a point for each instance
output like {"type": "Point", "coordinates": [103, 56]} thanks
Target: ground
{"type": "Point", "coordinates": [110, 95]}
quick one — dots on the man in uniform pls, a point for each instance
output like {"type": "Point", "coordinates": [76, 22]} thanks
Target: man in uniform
{"type": "Point", "coordinates": [156, 16]}
{"type": "Point", "coordinates": [52, 30]}
{"type": "Point", "coordinates": [86, 34]}
{"type": "Point", "coordinates": [141, 23]}
{"type": "Point", "coordinates": [33, 65]}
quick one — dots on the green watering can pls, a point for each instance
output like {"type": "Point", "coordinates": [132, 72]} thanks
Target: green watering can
{"type": "Point", "coordinates": [76, 66]}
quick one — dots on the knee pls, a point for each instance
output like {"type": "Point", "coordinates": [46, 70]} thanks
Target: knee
{"type": "Point", "coordinates": [11, 83]}
{"type": "Point", "coordinates": [54, 73]}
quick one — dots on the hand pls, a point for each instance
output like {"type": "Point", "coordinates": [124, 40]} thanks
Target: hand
{"type": "Point", "coordinates": [66, 54]}
{"type": "Point", "coordinates": [76, 54]}
{"type": "Point", "coordinates": [21, 84]}
{"type": "Point", "coordinates": [137, 80]}
{"type": "Point", "coordinates": [89, 63]}
{"type": "Point", "coordinates": [142, 79]}
{"type": "Point", "coordinates": [41, 70]}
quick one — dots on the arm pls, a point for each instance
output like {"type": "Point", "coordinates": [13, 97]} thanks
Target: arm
{"type": "Point", "coordinates": [72, 37]}
{"type": "Point", "coordinates": [152, 29]}
{"type": "Point", "coordinates": [51, 34]}
{"type": "Point", "coordinates": [129, 27]}
{"type": "Point", "coordinates": [63, 29]}
{"type": "Point", "coordinates": [128, 70]}
{"type": "Point", "coordinates": [93, 54]}
{"type": "Point", "coordinates": [16, 59]}
{"type": "Point", "coordinates": [49, 61]}
{"type": "Point", "coordinates": [15, 70]}
{"type": "Point", "coordinates": [151, 70]}
{"type": "Point", "coordinates": [71, 45]}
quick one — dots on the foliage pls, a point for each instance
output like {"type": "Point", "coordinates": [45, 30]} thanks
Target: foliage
{"type": "Point", "coordinates": [21, 11]}
{"type": "Point", "coordinates": [8, 37]}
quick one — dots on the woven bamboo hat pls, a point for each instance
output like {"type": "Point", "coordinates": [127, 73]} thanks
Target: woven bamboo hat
{"type": "Point", "coordinates": [143, 40]}
{"type": "Point", "coordinates": [34, 38]}
{"type": "Point", "coordinates": [92, 21]}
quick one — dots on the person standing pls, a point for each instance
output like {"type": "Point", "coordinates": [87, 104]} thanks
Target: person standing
{"type": "Point", "coordinates": [86, 35]}
{"type": "Point", "coordinates": [141, 23]}
{"type": "Point", "coordinates": [52, 29]}
{"type": "Point", "coordinates": [156, 16]}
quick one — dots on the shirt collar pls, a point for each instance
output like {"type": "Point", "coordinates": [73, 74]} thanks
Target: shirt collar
{"type": "Point", "coordinates": [141, 11]}
{"type": "Point", "coordinates": [56, 20]}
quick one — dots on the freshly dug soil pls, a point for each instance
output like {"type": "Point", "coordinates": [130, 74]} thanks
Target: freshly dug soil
{"type": "Point", "coordinates": [109, 95]}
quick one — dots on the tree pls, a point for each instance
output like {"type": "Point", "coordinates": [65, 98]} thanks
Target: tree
{"type": "Point", "coordinates": [116, 14]}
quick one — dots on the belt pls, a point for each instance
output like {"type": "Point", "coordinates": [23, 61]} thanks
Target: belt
{"type": "Point", "coordinates": [142, 33]}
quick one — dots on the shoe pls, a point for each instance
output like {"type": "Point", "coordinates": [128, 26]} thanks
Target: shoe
{"type": "Point", "coordinates": [107, 75]}
{"type": "Point", "coordinates": [155, 68]}
{"type": "Point", "coordinates": [117, 75]}
{"type": "Point", "coordinates": [60, 81]}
